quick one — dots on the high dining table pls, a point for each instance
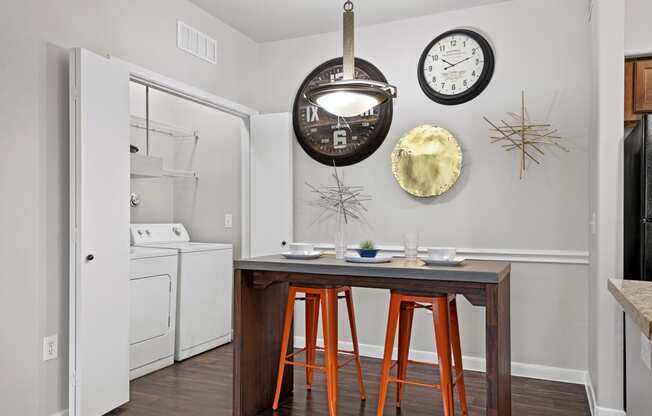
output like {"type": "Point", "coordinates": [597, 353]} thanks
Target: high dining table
{"type": "Point", "coordinates": [261, 289]}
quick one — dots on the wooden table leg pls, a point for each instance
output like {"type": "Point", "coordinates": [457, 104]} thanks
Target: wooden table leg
{"type": "Point", "coordinates": [499, 396]}
{"type": "Point", "coordinates": [257, 344]}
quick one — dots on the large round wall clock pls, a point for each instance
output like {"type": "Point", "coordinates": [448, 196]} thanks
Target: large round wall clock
{"type": "Point", "coordinates": [456, 67]}
{"type": "Point", "coordinates": [342, 141]}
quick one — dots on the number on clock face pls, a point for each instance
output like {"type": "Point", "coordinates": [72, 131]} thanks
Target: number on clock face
{"type": "Point", "coordinates": [331, 139]}
{"type": "Point", "coordinates": [453, 64]}
{"type": "Point", "coordinates": [456, 67]}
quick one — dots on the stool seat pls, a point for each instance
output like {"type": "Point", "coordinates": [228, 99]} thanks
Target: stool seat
{"type": "Point", "coordinates": [446, 325]}
{"type": "Point", "coordinates": [314, 296]}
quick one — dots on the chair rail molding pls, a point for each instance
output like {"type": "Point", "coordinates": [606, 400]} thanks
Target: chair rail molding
{"type": "Point", "coordinates": [495, 254]}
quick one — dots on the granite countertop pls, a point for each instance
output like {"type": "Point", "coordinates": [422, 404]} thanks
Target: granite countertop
{"type": "Point", "coordinates": [635, 297]}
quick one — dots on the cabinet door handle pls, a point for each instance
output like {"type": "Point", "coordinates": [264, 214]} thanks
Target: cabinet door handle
{"type": "Point", "coordinates": [90, 257]}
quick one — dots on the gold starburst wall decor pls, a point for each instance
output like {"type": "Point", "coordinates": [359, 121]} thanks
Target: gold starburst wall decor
{"type": "Point", "coordinates": [526, 138]}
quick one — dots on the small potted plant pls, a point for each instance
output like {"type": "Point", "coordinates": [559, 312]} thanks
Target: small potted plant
{"type": "Point", "coordinates": [367, 249]}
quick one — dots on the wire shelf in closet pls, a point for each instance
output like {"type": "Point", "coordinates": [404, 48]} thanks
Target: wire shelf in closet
{"type": "Point", "coordinates": [163, 128]}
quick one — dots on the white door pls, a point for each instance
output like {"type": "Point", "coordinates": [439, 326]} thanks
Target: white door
{"type": "Point", "coordinates": [99, 285]}
{"type": "Point", "coordinates": [271, 183]}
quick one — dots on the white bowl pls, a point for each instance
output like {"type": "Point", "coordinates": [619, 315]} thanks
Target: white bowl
{"type": "Point", "coordinates": [301, 248]}
{"type": "Point", "coordinates": [442, 253]}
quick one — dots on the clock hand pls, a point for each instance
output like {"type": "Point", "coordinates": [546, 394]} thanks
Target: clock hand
{"type": "Point", "coordinates": [345, 122]}
{"type": "Point", "coordinates": [457, 63]}
{"type": "Point", "coordinates": [451, 65]}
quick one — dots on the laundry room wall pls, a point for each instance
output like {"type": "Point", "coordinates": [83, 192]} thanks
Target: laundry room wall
{"type": "Point", "coordinates": [156, 194]}
{"type": "Point", "coordinates": [199, 204]}
{"type": "Point", "coordinates": [34, 158]}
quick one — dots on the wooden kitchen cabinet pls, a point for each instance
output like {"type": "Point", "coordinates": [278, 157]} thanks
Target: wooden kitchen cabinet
{"type": "Point", "coordinates": [631, 118]}
{"type": "Point", "coordinates": [643, 86]}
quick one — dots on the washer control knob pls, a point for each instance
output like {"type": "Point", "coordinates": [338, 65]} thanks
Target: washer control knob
{"type": "Point", "coordinates": [176, 231]}
{"type": "Point", "coordinates": [140, 232]}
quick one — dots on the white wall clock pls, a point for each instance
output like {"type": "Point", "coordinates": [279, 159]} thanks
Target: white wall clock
{"type": "Point", "coordinates": [456, 67]}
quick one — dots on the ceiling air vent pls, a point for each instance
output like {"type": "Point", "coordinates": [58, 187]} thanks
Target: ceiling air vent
{"type": "Point", "coordinates": [196, 43]}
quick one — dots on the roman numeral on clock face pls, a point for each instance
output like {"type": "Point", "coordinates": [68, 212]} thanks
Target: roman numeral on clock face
{"type": "Point", "coordinates": [312, 114]}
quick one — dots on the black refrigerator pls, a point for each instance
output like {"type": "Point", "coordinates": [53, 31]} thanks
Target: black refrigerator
{"type": "Point", "coordinates": [637, 214]}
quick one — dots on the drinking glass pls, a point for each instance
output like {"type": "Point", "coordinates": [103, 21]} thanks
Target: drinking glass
{"type": "Point", "coordinates": [340, 240]}
{"type": "Point", "coordinates": [411, 241]}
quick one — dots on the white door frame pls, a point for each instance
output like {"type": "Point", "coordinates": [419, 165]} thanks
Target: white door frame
{"type": "Point", "coordinates": [186, 91]}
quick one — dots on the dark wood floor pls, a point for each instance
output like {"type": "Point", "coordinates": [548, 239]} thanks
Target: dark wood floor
{"type": "Point", "coordinates": [201, 386]}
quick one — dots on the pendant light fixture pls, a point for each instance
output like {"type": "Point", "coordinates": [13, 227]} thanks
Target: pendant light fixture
{"type": "Point", "coordinates": [348, 96]}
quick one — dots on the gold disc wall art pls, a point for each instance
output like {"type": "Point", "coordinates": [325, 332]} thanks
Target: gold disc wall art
{"type": "Point", "coordinates": [427, 161]}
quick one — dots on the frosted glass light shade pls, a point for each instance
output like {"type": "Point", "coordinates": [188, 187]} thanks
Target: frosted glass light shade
{"type": "Point", "coordinates": [349, 98]}
{"type": "Point", "coordinates": [346, 103]}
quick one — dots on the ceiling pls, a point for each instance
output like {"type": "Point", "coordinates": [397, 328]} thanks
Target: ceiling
{"type": "Point", "coordinates": [269, 20]}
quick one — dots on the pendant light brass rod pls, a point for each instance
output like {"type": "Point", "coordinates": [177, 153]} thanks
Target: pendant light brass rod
{"type": "Point", "coordinates": [348, 45]}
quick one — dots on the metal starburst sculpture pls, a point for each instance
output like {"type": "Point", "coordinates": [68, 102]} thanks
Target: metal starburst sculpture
{"type": "Point", "coordinates": [525, 137]}
{"type": "Point", "coordinates": [347, 202]}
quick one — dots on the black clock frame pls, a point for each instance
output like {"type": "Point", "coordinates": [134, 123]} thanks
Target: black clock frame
{"type": "Point", "coordinates": [385, 115]}
{"type": "Point", "coordinates": [477, 88]}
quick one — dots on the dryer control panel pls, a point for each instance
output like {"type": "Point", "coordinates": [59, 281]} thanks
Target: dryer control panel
{"type": "Point", "coordinates": [144, 234]}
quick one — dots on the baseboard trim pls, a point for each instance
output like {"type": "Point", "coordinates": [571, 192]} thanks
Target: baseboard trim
{"type": "Point", "coordinates": [540, 372]}
{"type": "Point", "coordinates": [595, 409]}
{"type": "Point", "coordinates": [590, 393]}
{"type": "Point", "coordinates": [603, 411]}
{"type": "Point", "coordinates": [495, 254]}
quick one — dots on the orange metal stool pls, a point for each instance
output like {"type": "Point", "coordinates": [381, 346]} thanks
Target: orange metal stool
{"type": "Point", "coordinates": [314, 296]}
{"type": "Point", "coordinates": [447, 334]}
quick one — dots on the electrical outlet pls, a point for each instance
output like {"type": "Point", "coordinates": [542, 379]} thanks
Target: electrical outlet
{"type": "Point", "coordinates": [50, 347]}
{"type": "Point", "coordinates": [228, 221]}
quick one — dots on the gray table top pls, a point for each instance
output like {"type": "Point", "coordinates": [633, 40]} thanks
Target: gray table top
{"type": "Point", "coordinates": [469, 271]}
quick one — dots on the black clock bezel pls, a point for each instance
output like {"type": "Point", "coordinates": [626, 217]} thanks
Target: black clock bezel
{"type": "Point", "coordinates": [385, 116]}
{"type": "Point", "coordinates": [477, 88]}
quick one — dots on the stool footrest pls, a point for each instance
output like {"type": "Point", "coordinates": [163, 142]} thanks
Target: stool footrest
{"type": "Point", "coordinates": [348, 360]}
{"type": "Point", "coordinates": [414, 383]}
{"type": "Point", "coordinates": [306, 365]}
{"type": "Point", "coordinates": [457, 375]}
{"type": "Point", "coordinates": [299, 351]}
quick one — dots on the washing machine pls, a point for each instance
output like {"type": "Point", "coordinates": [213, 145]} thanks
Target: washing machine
{"type": "Point", "coordinates": [152, 318]}
{"type": "Point", "coordinates": [205, 287]}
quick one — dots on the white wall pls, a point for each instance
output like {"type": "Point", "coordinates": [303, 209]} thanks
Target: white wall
{"type": "Point", "coordinates": [157, 194]}
{"type": "Point", "coordinates": [489, 207]}
{"type": "Point", "coordinates": [638, 30]}
{"type": "Point", "coordinates": [34, 158]}
{"type": "Point", "coordinates": [200, 205]}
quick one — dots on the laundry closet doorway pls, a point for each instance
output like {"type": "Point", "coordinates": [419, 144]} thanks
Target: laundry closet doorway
{"type": "Point", "coordinates": [199, 151]}
{"type": "Point", "coordinates": [101, 127]}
